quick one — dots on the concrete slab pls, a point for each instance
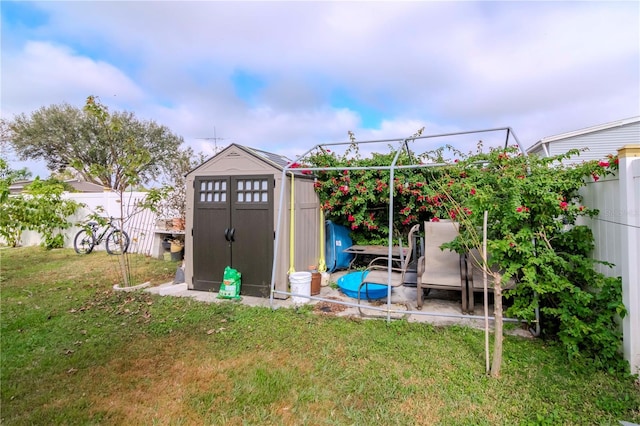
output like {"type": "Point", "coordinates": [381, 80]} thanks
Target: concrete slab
{"type": "Point", "coordinates": [168, 289]}
{"type": "Point", "coordinates": [440, 307]}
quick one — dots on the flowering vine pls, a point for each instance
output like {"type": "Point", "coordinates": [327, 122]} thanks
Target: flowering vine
{"type": "Point", "coordinates": [533, 204]}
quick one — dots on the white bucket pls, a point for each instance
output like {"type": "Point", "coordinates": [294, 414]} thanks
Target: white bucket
{"type": "Point", "coordinates": [300, 284]}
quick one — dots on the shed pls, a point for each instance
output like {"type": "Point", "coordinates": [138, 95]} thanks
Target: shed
{"type": "Point", "coordinates": [231, 214]}
{"type": "Point", "coordinates": [599, 141]}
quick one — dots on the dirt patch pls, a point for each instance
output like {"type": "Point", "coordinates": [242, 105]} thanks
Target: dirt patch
{"type": "Point", "coordinates": [329, 308]}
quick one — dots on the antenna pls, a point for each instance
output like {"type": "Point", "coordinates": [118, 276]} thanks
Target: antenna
{"type": "Point", "coordinates": [215, 140]}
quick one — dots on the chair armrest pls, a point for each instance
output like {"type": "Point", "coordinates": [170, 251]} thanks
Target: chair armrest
{"type": "Point", "coordinates": [420, 266]}
{"type": "Point", "coordinates": [379, 259]}
{"type": "Point", "coordinates": [382, 268]}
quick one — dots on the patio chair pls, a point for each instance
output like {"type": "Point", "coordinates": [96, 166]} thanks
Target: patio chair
{"type": "Point", "coordinates": [475, 278]}
{"type": "Point", "coordinates": [441, 269]}
{"type": "Point", "coordinates": [377, 271]}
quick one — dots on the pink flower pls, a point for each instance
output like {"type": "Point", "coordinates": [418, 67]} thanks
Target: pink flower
{"type": "Point", "coordinates": [435, 219]}
{"type": "Point", "coordinates": [603, 164]}
{"type": "Point", "coordinates": [473, 191]}
{"type": "Point", "coordinates": [351, 218]}
{"type": "Point", "coordinates": [595, 177]}
{"type": "Point", "coordinates": [563, 205]}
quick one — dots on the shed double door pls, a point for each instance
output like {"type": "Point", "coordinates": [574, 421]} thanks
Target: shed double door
{"type": "Point", "coordinates": [233, 226]}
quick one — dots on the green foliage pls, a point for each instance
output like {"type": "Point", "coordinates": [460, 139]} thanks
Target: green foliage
{"type": "Point", "coordinates": [95, 143]}
{"type": "Point", "coordinates": [169, 201]}
{"type": "Point", "coordinates": [48, 212]}
{"type": "Point", "coordinates": [40, 207]}
{"type": "Point", "coordinates": [532, 204]}
{"type": "Point", "coordinates": [8, 176]}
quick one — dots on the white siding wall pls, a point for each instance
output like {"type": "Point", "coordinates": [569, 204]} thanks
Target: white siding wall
{"type": "Point", "coordinates": [599, 144]}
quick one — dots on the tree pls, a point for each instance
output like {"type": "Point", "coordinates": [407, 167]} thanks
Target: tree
{"type": "Point", "coordinates": [94, 145]}
{"type": "Point", "coordinates": [47, 211]}
{"type": "Point", "coordinates": [169, 201]}
{"type": "Point", "coordinates": [39, 208]}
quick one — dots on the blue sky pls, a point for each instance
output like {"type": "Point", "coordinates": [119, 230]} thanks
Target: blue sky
{"type": "Point", "coordinates": [285, 76]}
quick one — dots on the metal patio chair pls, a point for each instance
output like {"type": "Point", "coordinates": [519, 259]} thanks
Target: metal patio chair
{"type": "Point", "coordinates": [377, 271]}
{"type": "Point", "coordinates": [441, 269]}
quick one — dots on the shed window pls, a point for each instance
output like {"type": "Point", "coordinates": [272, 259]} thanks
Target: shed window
{"type": "Point", "coordinates": [253, 191]}
{"type": "Point", "coordinates": [213, 191]}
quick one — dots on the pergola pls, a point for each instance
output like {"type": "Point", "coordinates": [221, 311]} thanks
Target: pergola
{"type": "Point", "coordinates": [503, 135]}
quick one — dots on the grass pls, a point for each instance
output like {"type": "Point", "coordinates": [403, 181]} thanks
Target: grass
{"type": "Point", "coordinates": [75, 352]}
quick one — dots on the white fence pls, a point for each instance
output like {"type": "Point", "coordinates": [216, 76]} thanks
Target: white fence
{"type": "Point", "coordinates": [617, 239]}
{"type": "Point", "coordinates": [139, 225]}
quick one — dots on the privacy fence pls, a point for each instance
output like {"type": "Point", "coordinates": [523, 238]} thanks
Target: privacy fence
{"type": "Point", "coordinates": [139, 223]}
{"type": "Point", "coordinates": [616, 231]}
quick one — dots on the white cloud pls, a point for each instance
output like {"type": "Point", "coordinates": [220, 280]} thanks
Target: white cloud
{"type": "Point", "coordinates": [44, 73]}
{"type": "Point", "coordinates": [540, 67]}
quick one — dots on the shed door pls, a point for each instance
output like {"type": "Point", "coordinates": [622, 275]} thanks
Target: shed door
{"type": "Point", "coordinates": [233, 226]}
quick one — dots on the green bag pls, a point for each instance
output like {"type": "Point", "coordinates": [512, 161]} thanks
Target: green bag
{"type": "Point", "coordinates": [230, 287]}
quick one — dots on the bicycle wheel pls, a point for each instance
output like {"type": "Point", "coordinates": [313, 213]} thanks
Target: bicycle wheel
{"type": "Point", "coordinates": [84, 242]}
{"type": "Point", "coordinates": [117, 242]}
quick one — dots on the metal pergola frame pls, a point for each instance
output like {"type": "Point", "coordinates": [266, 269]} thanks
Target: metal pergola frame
{"type": "Point", "coordinates": [401, 145]}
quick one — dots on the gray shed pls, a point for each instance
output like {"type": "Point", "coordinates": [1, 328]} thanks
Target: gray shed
{"type": "Point", "coordinates": [600, 140]}
{"type": "Point", "coordinates": [231, 214]}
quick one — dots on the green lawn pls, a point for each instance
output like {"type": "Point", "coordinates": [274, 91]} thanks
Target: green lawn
{"type": "Point", "coordinates": [75, 352]}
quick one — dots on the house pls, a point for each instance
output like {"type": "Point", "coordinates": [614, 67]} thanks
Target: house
{"type": "Point", "coordinates": [232, 213]}
{"type": "Point", "coordinates": [76, 184]}
{"type": "Point", "coordinates": [599, 141]}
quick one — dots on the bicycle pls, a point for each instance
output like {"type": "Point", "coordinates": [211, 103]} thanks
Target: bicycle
{"type": "Point", "coordinates": [116, 240]}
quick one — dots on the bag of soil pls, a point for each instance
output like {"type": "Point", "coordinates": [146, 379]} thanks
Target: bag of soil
{"type": "Point", "coordinates": [230, 287]}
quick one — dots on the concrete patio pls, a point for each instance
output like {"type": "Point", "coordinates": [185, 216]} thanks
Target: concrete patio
{"type": "Point", "coordinates": [440, 307]}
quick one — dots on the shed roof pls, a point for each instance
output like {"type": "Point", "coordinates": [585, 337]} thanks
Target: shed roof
{"type": "Point", "coordinates": [279, 162]}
